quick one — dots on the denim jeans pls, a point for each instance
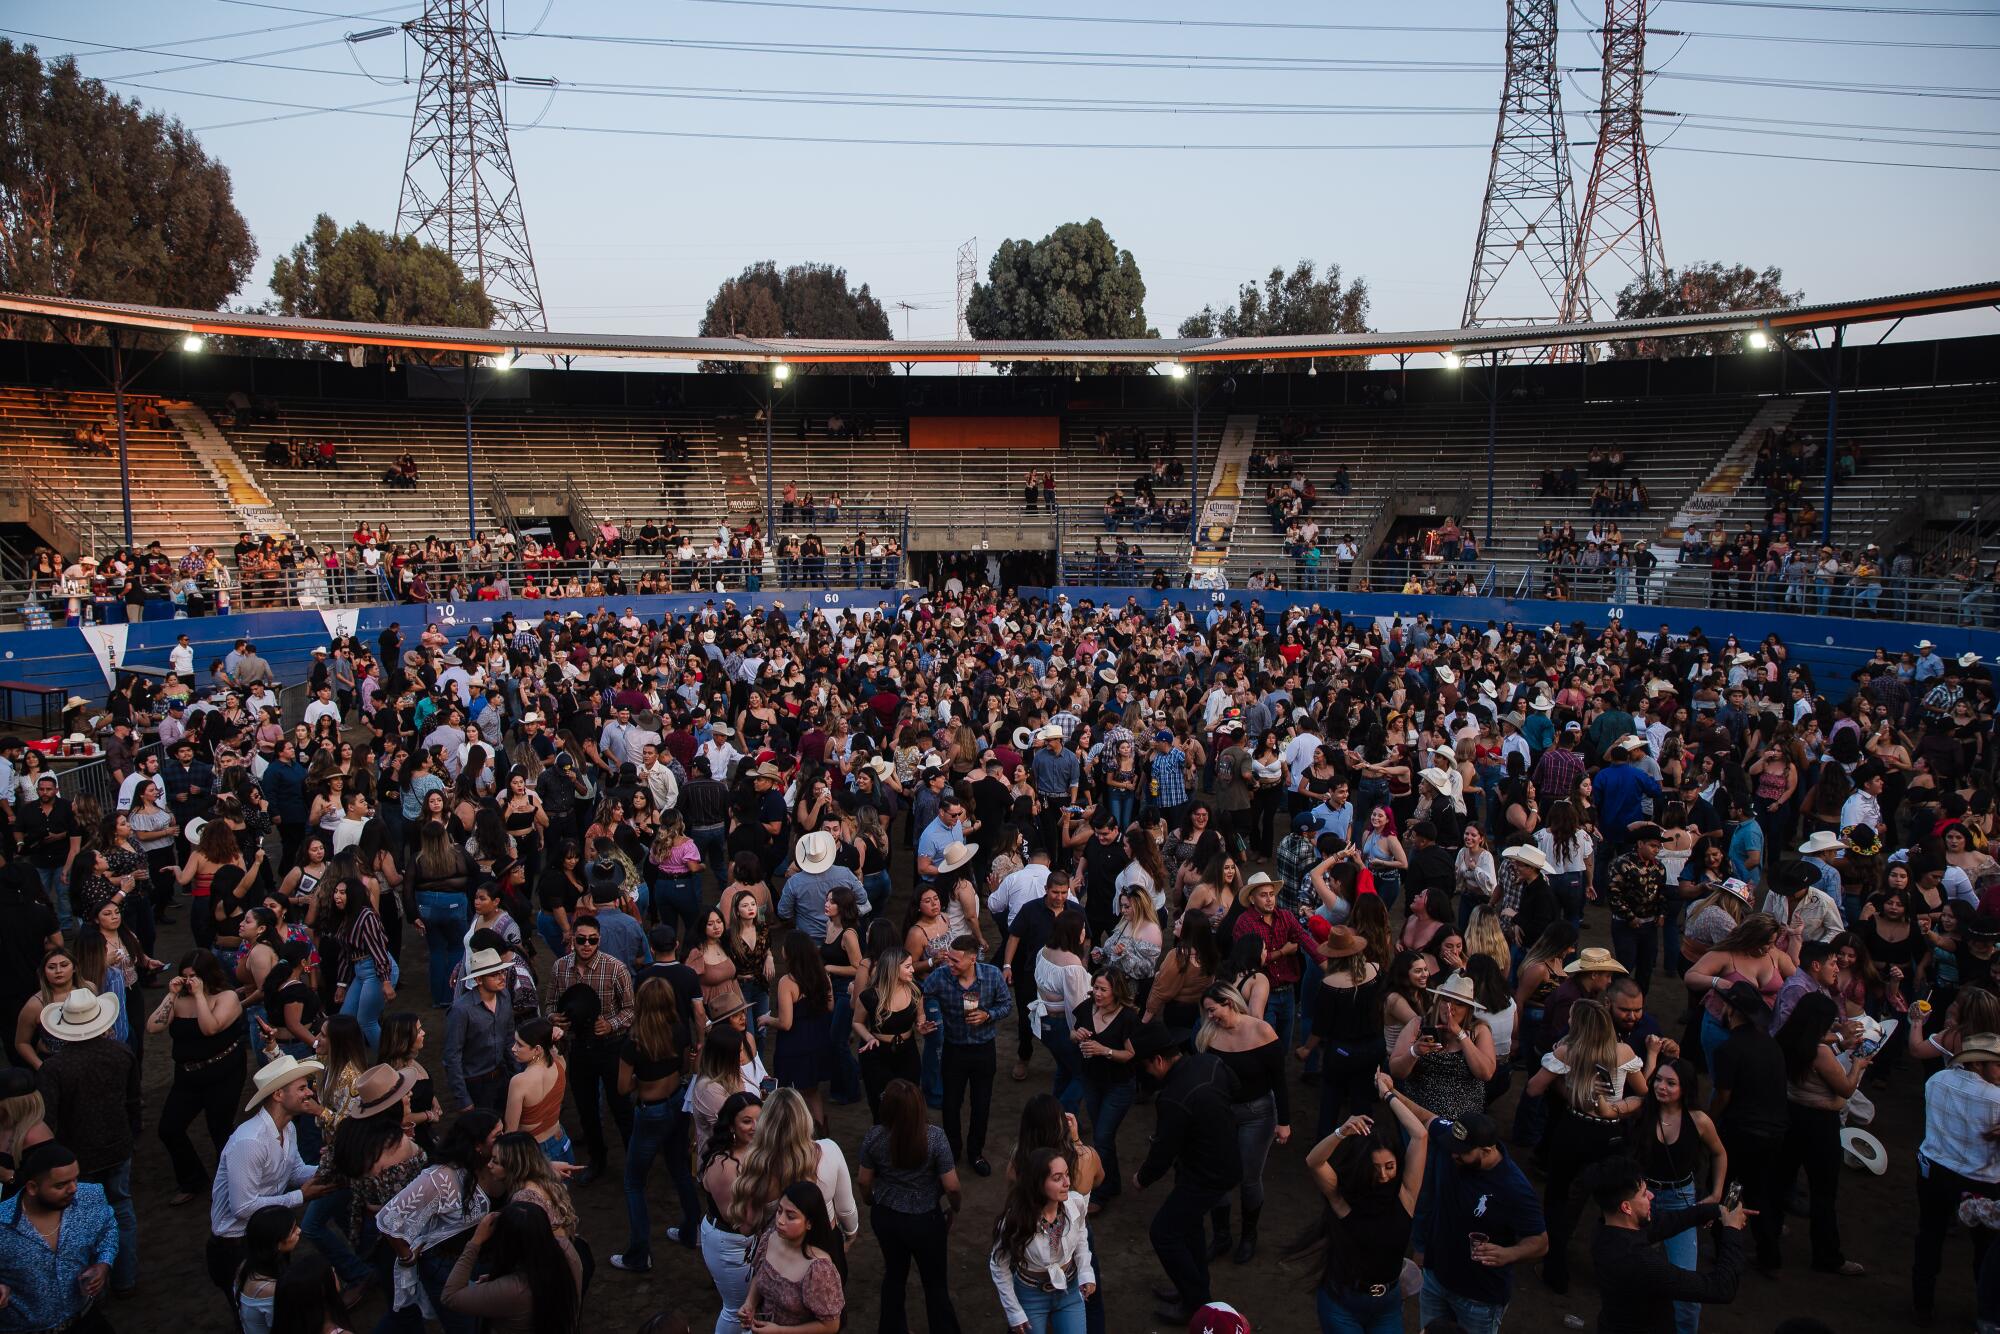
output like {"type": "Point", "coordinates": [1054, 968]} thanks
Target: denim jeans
{"type": "Point", "coordinates": [1437, 1301]}
{"type": "Point", "coordinates": [1067, 1081]}
{"type": "Point", "coordinates": [117, 1183]}
{"type": "Point", "coordinates": [713, 840]}
{"type": "Point", "coordinates": [56, 886]}
{"type": "Point", "coordinates": [365, 1001]}
{"type": "Point", "coordinates": [446, 917]}
{"type": "Point", "coordinates": [324, 1225]}
{"type": "Point", "coordinates": [677, 898]}
{"type": "Point", "coordinates": [551, 934]}
{"type": "Point", "coordinates": [1279, 1010]}
{"type": "Point", "coordinates": [1637, 947]}
{"type": "Point", "coordinates": [1051, 1312]}
{"type": "Point", "coordinates": [658, 1127]}
{"type": "Point", "coordinates": [726, 1256]}
{"type": "Point", "coordinates": [934, 1068]}
{"type": "Point", "coordinates": [1108, 1105]}
{"type": "Point", "coordinates": [845, 1086]}
{"type": "Point", "coordinates": [1347, 1311]}
{"type": "Point", "coordinates": [1568, 889]}
{"type": "Point", "coordinates": [1683, 1249]}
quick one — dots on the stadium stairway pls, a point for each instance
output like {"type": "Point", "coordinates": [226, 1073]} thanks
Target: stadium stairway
{"type": "Point", "coordinates": [1720, 487]}
{"type": "Point", "coordinates": [255, 510]}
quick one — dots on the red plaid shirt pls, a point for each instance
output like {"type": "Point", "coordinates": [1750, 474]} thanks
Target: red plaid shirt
{"type": "Point", "coordinates": [1281, 930]}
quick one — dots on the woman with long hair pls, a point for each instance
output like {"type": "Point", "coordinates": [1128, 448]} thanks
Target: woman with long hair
{"type": "Point", "coordinates": [651, 1066]}
{"type": "Point", "coordinates": [799, 1269]}
{"type": "Point", "coordinates": [428, 1222]}
{"type": "Point", "coordinates": [1185, 975]}
{"type": "Point", "coordinates": [306, 1298]}
{"type": "Point", "coordinates": [785, 1151]}
{"type": "Point", "coordinates": [369, 1160]}
{"type": "Point", "coordinates": [1365, 1228]}
{"type": "Point", "coordinates": [1041, 1262]}
{"type": "Point", "coordinates": [1670, 1139]}
{"type": "Point", "coordinates": [1597, 1082]}
{"type": "Point", "coordinates": [1104, 1028]}
{"type": "Point", "coordinates": [23, 1120]}
{"type": "Point", "coordinates": [535, 1091]}
{"type": "Point", "coordinates": [1817, 1088]}
{"type": "Point", "coordinates": [1062, 984]}
{"type": "Point", "coordinates": [215, 849]}
{"type": "Point", "coordinates": [367, 978]}
{"type": "Point", "coordinates": [1750, 954]}
{"type": "Point", "coordinates": [518, 1171]}
{"type": "Point", "coordinates": [749, 940]}
{"type": "Point", "coordinates": [1444, 1055]}
{"type": "Point", "coordinates": [1132, 948]}
{"type": "Point", "coordinates": [557, 892]}
{"type": "Point", "coordinates": [1721, 908]}
{"type": "Point", "coordinates": [402, 1050]}
{"type": "Point", "coordinates": [57, 977]}
{"type": "Point", "coordinates": [908, 1179]}
{"type": "Point", "coordinates": [204, 1021]}
{"type": "Point", "coordinates": [673, 866]}
{"type": "Point", "coordinates": [727, 1064]}
{"type": "Point", "coordinates": [269, 1239]}
{"type": "Point", "coordinates": [1494, 1002]}
{"type": "Point", "coordinates": [801, 1013]}
{"type": "Point", "coordinates": [840, 952]}
{"type": "Point", "coordinates": [1147, 871]}
{"type": "Point", "coordinates": [530, 1280]}
{"type": "Point", "coordinates": [1255, 1054]}
{"type": "Point", "coordinates": [1564, 840]}
{"type": "Point", "coordinates": [725, 1239]}
{"type": "Point", "coordinates": [889, 1025]}
{"type": "Point", "coordinates": [1344, 1015]}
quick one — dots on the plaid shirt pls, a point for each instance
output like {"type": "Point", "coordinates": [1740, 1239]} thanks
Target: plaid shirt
{"type": "Point", "coordinates": [610, 979]}
{"type": "Point", "coordinates": [1283, 929]}
{"type": "Point", "coordinates": [1557, 774]}
{"type": "Point", "coordinates": [1170, 779]}
{"type": "Point", "coordinates": [1297, 855]}
{"type": "Point", "coordinates": [943, 987]}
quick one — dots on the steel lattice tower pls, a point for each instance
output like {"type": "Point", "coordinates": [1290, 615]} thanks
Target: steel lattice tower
{"type": "Point", "coordinates": [1620, 222]}
{"type": "Point", "coordinates": [968, 278]}
{"type": "Point", "coordinates": [1529, 218]}
{"type": "Point", "coordinates": [459, 188]}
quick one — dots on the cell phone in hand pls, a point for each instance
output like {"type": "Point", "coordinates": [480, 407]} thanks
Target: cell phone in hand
{"type": "Point", "coordinates": [1732, 1195]}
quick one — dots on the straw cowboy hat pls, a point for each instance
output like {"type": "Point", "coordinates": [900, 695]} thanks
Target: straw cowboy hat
{"type": "Point", "coordinates": [1595, 959]}
{"type": "Point", "coordinates": [483, 963]}
{"type": "Point", "coordinates": [1975, 1049]}
{"type": "Point", "coordinates": [882, 767]}
{"type": "Point", "coordinates": [1457, 987]}
{"type": "Point", "coordinates": [274, 1076]}
{"type": "Point", "coordinates": [955, 856]}
{"type": "Point", "coordinates": [1049, 732]}
{"type": "Point", "coordinates": [1527, 854]}
{"type": "Point", "coordinates": [1446, 674]}
{"type": "Point", "coordinates": [83, 1015]}
{"type": "Point", "coordinates": [380, 1088]}
{"type": "Point", "coordinates": [816, 851]}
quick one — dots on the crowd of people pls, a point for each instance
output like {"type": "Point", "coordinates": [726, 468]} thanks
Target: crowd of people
{"type": "Point", "coordinates": [1488, 929]}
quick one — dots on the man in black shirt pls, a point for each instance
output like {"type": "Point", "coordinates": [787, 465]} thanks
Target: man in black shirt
{"type": "Point", "coordinates": [686, 984]}
{"type": "Point", "coordinates": [1099, 861]}
{"type": "Point", "coordinates": [705, 808]}
{"type": "Point", "coordinates": [50, 838]}
{"type": "Point", "coordinates": [1031, 927]}
{"type": "Point", "coordinates": [1196, 1137]}
{"type": "Point", "coordinates": [1750, 1113]}
{"type": "Point", "coordinates": [1431, 866]}
{"type": "Point", "coordinates": [1637, 1284]}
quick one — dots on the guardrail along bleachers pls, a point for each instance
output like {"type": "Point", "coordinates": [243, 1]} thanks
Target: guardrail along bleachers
{"type": "Point", "coordinates": [174, 501]}
{"type": "Point", "coordinates": [1669, 445]}
{"type": "Point", "coordinates": [612, 456]}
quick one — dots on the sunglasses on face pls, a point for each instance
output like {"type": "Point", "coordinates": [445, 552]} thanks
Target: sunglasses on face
{"type": "Point", "coordinates": [585, 940]}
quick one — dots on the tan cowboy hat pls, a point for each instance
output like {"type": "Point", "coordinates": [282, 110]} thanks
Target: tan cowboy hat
{"type": "Point", "coordinates": [1446, 674]}
{"type": "Point", "coordinates": [1528, 854]}
{"type": "Point", "coordinates": [816, 851]}
{"type": "Point", "coordinates": [1049, 732]}
{"type": "Point", "coordinates": [1257, 879]}
{"type": "Point", "coordinates": [956, 855]}
{"type": "Point", "coordinates": [83, 1014]}
{"type": "Point", "coordinates": [481, 963]}
{"type": "Point", "coordinates": [1973, 1050]}
{"type": "Point", "coordinates": [1457, 987]}
{"type": "Point", "coordinates": [882, 767]}
{"type": "Point", "coordinates": [1823, 841]}
{"type": "Point", "coordinates": [728, 1003]}
{"type": "Point", "coordinates": [770, 771]}
{"type": "Point", "coordinates": [1106, 675]}
{"type": "Point", "coordinates": [380, 1088]}
{"type": "Point", "coordinates": [1595, 959]}
{"type": "Point", "coordinates": [275, 1075]}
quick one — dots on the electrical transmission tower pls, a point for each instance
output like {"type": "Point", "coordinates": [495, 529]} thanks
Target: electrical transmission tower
{"type": "Point", "coordinates": [1620, 223]}
{"type": "Point", "coordinates": [968, 278]}
{"type": "Point", "coordinates": [459, 188]}
{"type": "Point", "coordinates": [1528, 221]}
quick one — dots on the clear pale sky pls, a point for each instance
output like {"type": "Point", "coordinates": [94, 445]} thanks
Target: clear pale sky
{"type": "Point", "coordinates": [632, 231]}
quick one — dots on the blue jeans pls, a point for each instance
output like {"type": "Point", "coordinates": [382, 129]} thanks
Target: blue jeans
{"type": "Point", "coordinates": [365, 1001]}
{"type": "Point", "coordinates": [1067, 1082]}
{"type": "Point", "coordinates": [845, 1087]}
{"type": "Point", "coordinates": [433, 1268]}
{"type": "Point", "coordinates": [324, 1226]}
{"type": "Point", "coordinates": [1568, 889]}
{"type": "Point", "coordinates": [1713, 1034]}
{"type": "Point", "coordinates": [545, 926]}
{"type": "Point", "coordinates": [679, 897]}
{"type": "Point", "coordinates": [1107, 1105]}
{"type": "Point", "coordinates": [1051, 1312]}
{"type": "Point", "coordinates": [1683, 1249]}
{"type": "Point", "coordinates": [656, 1127]}
{"type": "Point", "coordinates": [446, 917]}
{"type": "Point", "coordinates": [934, 1068]}
{"type": "Point", "coordinates": [1350, 1312]}
{"type": "Point", "coordinates": [1437, 1301]}
{"type": "Point", "coordinates": [1279, 1009]}
{"type": "Point", "coordinates": [117, 1185]}
{"type": "Point", "coordinates": [56, 886]}
{"type": "Point", "coordinates": [1124, 806]}
{"type": "Point", "coordinates": [714, 844]}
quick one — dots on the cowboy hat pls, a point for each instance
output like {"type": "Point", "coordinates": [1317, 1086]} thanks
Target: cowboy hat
{"type": "Point", "coordinates": [1742, 660]}
{"type": "Point", "coordinates": [275, 1075]}
{"type": "Point", "coordinates": [1154, 1038]}
{"type": "Point", "coordinates": [1446, 674]}
{"type": "Point", "coordinates": [770, 771]}
{"type": "Point", "coordinates": [1457, 987]}
{"type": "Point", "coordinates": [482, 963]}
{"type": "Point", "coordinates": [1049, 732]}
{"type": "Point", "coordinates": [83, 1014]}
{"type": "Point", "coordinates": [1823, 841]}
{"type": "Point", "coordinates": [1542, 704]}
{"type": "Point", "coordinates": [1341, 942]}
{"type": "Point", "coordinates": [816, 851]}
{"type": "Point", "coordinates": [1924, 644]}
{"type": "Point", "coordinates": [1967, 659]}
{"type": "Point", "coordinates": [1860, 1149]}
{"type": "Point", "coordinates": [380, 1088]}
{"type": "Point", "coordinates": [882, 766]}
{"type": "Point", "coordinates": [608, 874]}
{"type": "Point", "coordinates": [1445, 753]}
{"type": "Point", "coordinates": [1024, 737]}
{"type": "Point", "coordinates": [1737, 887]}
{"type": "Point", "coordinates": [194, 828]}
{"type": "Point", "coordinates": [728, 1003]}
{"type": "Point", "coordinates": [1528, 854]}
{"type": "Point", "coordinates": [1595, 959]}
{"type": "Point", "coordinates": [956, 855]}
{"type": "Point", "coordinates": [1973, 1050]}
{"type": "Point", "coordinates": [1437, 778]}
{"type": "Point", "coordinates": [1257, 878]}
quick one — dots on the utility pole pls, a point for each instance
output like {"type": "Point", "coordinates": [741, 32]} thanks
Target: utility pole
{"type": "Point", "coordinates": [1620, 222]}
{"type": "Point", "coordinates": [968, 278]}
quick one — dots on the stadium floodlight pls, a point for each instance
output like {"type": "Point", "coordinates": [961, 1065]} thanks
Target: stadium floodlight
{"type": "Point", "coordinates": [1175, 370]}
{"type": "Point", "coordinates": [780, 372]}
{"type": "Point", "coordinates": [193, 343]}
{"type": "Point", "coordinates": [1452, 361]}
{"type": "Point", "coordinates": [1759, 340]}
{"type": "Point", "coordinates": [503, 361]}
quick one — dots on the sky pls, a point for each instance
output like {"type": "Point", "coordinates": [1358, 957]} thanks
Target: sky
{"type": "Point", "coordinates": [685, 139]}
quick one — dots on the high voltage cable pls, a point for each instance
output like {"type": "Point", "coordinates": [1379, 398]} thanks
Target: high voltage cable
{"type": "Point", "coordinates": [1898, 11]}
{"type": "Point", "coordinates": [1122, 20]}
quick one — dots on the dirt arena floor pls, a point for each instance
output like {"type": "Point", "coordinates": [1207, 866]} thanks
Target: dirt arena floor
{"type": "Point", "coordinates": [1877, 1216]}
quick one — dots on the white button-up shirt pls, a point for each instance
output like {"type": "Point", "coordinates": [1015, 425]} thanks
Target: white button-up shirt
{"type": "Point", "coordinates": [260, 1166]}
{"type": "Point", "coordinates": [1960, 1109]}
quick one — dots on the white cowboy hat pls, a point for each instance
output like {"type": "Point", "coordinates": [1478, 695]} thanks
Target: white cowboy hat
{"type": "Point", "coordinates": [1527, 853]}
{"type": "Point", "coordinates": [1860, 1149]}
{"type": "Point", "coordinates": [527, 718]}
{"type": "Point", "coordinates": [1488, 689]}
{"type": "Point", "coordinates": [1457, 987]}
{"type": "Point", "coordinates": [882, 767]}
{"type": "Point", "coordinates": [1438, 779]}
{"type": "Point", "coordinates": [274, 1076]}
{"type": "Point", "coordinates": [1824, 841]}
{"type": "Point", "coordinates": [480, 963]}
{"type": "Point", "coordinates": [1049, 732]}
{"type": "Point", "coordinates": [1446, 674]}
{"type": "Point", "coordinates": [721, 730]}
{"type": "Point", "coordinates": [1024, 737]}
{"type": "Point", "coordinates": [194, 828]}
{"type": "Point", "coordinates": [1542, 704]}
{"type": "Point", "coordinates": [1106, 675]}
{"type": "Point", "coordinates": [1445, 753]}
{"type": "Point", "coordinates": [1923, 644]}
{"type": "Point", "coordinates": [83, 1014]}
{"type": "Point", "coordinates": [816, 851]}
{"type": "Point", "coordinates": [1967, 659]}
{"type": "Point", "coordinates": [1742, 660]}
{"type": "Point", "coordinates": [1595, 959]}
{"type": "Point", "coordinates": [708, 636]}
{"type": "Point", "coordinates": [956, 855]}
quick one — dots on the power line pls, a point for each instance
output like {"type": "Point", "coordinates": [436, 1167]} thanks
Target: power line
{"type": "Point", "coordinates": [1121, 20]}
{"type": "Point", "coordinates": [1898, 10]}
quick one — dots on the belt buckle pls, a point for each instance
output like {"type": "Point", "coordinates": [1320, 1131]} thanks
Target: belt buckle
{"type": "Point", "coordinates": [1378, 1289]}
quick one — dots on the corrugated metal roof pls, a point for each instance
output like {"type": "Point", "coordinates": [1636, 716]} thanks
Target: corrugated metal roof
{"type": "Point", "coordinates": [1465, 342]}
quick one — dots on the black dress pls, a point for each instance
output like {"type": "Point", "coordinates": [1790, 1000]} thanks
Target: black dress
{"type": "Point", "coordinates": [899, 1055]}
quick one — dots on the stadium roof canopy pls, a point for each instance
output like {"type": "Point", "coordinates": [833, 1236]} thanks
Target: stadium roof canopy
{"type": "Point", "coordinates": [1184, 351]}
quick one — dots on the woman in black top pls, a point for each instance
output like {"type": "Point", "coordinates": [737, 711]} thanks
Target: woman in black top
{"type": "Point", "coordinates": [1346, 1010]}
{"type": "Point", "coordinates": [1366, 1228]}
{"type": "Point", "coordinates": [1255, 1054]}
{"type": "Point", "coordinates": [1102, 1027]}
{"type": "Point", "coordinates": [841, 953]}
{"type": "Point", "coordinates": [889, 1025]}
{"type": "Point", "coordinates": [651, 1064]}
{"type": "Point", "coordinates": [1669, 1139]}
{"type": "Point", "coordinates": [908, 1179]}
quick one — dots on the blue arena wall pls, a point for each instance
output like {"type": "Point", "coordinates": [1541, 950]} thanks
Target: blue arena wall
{"type": "Point", "coordinates": [79, 660]}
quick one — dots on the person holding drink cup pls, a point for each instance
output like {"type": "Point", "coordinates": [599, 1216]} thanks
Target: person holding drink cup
{"type": "Point", "coordinates": [1482, 1218]}
{"type": "Point", "coordinates": [967, 999]}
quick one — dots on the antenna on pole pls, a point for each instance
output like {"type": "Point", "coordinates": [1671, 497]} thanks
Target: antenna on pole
{"type": "Point", "coordinates": [968, 278]}
{"type": "Point", "coordinates": [459, 188]}
{"type": "Point", "coordinates": [1620, 221]}
{"type": "Point", "coordinates": [906, 307]}
{"type": "Point", "coordinates": [1528, 220]}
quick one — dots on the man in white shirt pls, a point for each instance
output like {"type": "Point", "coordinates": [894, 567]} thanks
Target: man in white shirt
{"type": "Point", "coordinates": [722, 756]}
{"type": "Point", "coordinates": [181, 658]}
{"type": "Point", "coordinates": [146, 771]}
{"type": "Point", "coordinates": [1806, 911]}
{"type": "Point", "coordinates": [659, 778]}
{"type": "Point", "coordinates": [322, 707]}
{"type": "Point", "coordinates": [1020, 888]}
{"type": "Point", "coordinates": [260, 1165]}
{"type": "Point", "coordinates": [1864, 806]}
{"type": "Point", "coordinates": [1959, 1155]}
{"type": "Point", "coordinates": [1299, 756]}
